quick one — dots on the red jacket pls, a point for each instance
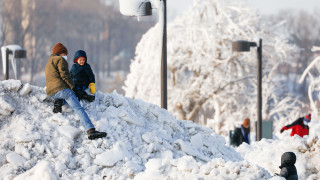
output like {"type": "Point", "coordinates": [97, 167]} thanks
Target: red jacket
{"type": "Point", "coordinates": [297, 128]}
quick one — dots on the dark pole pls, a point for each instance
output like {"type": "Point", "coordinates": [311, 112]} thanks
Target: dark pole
{"type": "Point", "coordinates": [259, 91]}
{"type": "Point", "coordinates": [6, 76]}
{"type": "Point", "coordinates": [164, 59]}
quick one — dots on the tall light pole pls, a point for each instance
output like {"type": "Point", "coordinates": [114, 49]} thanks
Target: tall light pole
{"type": "Point", "coordinates": [164, 59]}
{"type": "Point", "coordinates": [6, 76]}
{"type": "Point", "coordinates": [244, 46]}
{"type": "Point", "coordinates": [144, 8]}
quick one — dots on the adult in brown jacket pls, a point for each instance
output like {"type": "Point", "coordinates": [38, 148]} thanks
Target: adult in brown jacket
{"type": "Point", "coordinates": [59, 85]}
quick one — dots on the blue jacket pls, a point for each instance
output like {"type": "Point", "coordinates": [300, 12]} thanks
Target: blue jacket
{"type": "Point", "coordinates": [82, 76]}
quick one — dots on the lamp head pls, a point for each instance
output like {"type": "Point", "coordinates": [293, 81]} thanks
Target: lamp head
{"type": "Point", "coordinates": [135, 7]}
{"type": "Point", "coordinates": [17, 51]}
{"type": "Point", "coordinates": [21, 53]}
{"type": "Point", "coordinates": [242, 46]}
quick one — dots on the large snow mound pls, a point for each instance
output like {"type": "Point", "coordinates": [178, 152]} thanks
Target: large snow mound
{"type": "Point", "coordinates": [143, 141]}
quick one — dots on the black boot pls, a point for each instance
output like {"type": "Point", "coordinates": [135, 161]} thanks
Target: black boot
{"type": "Point", "coordinates": [93, 134]}
{"type": "Point", "coordinates": [57, 106]}
{"type": "Point", "coordinates": [88, 97]}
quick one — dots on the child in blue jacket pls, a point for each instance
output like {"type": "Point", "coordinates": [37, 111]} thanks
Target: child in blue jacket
{"type": "Point", "coordinates": [82, 75]}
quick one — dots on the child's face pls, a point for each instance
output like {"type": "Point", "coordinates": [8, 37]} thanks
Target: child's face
{"type": "Point", "coordinates": [81, 61]}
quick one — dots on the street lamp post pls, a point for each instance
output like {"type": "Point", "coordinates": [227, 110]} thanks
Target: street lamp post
{"type": "Point", "coordinates": [144, 8]}
{"type": "Point", "coordinates": [6, 76]}
{"type": "Point", "coordinates": [244, 46]}
{"type": "Point", "coordinates": [164, 59]}
{"type": "Point", "coordinates": [16, 52]}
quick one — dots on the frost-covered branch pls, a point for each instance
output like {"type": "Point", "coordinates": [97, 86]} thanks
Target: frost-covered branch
{"type": "Point", "coordinates": [208, 82]}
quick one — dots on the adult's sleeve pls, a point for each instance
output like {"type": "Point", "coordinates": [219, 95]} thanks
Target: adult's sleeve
{"type": "Point", "coordinates": [292, 124]}
{"type": "Point", "coordinates": [284, 128]}
{"type": "Point", "coordinates": [72, 71]}
{"type": "Point", "coordinates": [64, 72]}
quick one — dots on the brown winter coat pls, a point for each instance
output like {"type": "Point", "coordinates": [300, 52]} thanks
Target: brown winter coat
{"type": "Point", "coordinates": [57, 75]}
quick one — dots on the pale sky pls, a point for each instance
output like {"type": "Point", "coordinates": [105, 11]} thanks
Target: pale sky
{"type": "Point", "coordinates": [264, 6]}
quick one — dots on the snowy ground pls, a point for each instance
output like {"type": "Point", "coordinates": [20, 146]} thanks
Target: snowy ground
{"type": "Point", "coordinates": [143, 142]}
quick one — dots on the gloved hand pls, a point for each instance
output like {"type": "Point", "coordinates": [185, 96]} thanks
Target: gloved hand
{"type": "Point", "coordinates": [92, 88]}
{"type": "Point", "coordinates": [78, 93]}
{"type": "Point", "coordinates": [88, 97]}
{"type": "Point", "coordinates": [281, 131]}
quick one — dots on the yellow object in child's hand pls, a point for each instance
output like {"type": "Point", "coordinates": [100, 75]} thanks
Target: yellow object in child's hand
{"type": "Point", "coordinates": [92, 89]}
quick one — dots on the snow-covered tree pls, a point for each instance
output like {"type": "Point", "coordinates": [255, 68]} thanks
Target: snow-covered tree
{"type": "Point", "coordinates": [312, 73]}
{"type": "Point", "coordinates": [207, 82]}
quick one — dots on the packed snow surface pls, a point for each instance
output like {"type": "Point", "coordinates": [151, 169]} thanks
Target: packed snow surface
{"type": "Point", "coordinates": [143, 142]}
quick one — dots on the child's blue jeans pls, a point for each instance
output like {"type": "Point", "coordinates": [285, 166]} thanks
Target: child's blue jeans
{"type": "Point", "coordinates": [68, 96]}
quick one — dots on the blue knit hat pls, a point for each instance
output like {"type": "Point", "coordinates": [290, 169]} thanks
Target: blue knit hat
{"type": "Point", "coordinates": [79, 53]}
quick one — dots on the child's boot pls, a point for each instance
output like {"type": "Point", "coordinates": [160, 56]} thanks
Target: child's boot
{"type": "Point", "coordinates": [57, 106]}
{"type": "Point", "coordinates": [93, 134]}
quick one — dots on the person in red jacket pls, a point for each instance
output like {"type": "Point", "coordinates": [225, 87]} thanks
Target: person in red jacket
{"type": "Point", "coordinates": [299, 127]}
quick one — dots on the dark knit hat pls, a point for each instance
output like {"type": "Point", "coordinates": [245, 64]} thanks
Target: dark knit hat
{"type": "Point", "coordinates": [79, 53]}
{"type": "Point", "coordinates": [59, 48]}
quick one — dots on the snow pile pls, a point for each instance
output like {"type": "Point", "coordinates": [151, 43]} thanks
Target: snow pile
{"type": "Point", "coordinates": [267, 154]}
{"type": "Point", "coordinates": [143, 141]}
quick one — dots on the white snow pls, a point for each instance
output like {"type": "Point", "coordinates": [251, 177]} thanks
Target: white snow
{"type": "Point", "coordinates": [69, 131]}
{"type": "Point", "coordinates": [11, 85]}
{"type": "Point", "coordinates": [42, 170]}
{"type": "Point", "coordinates": [25, 89]}
{"type": "Point", "coordinates": [15, 158]}
{"type": "Point", "coordinates": [37, 144]}
{"type": "Point", "coordinates": [5, 109]}
{"type": "Point", "coordinates": [25, 137]}
{"type": "Point", "coordinates": [110, 157]}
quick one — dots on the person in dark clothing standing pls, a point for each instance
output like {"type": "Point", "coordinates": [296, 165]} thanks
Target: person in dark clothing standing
{"type": "Point", "coordinates": [82, 75]}
{"type": "Point", "coordinates": [288, 169]}
{"type": "Point", "coordinates": [242, 133]}
{"type": "Point", "coordinates": [299, 127]}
